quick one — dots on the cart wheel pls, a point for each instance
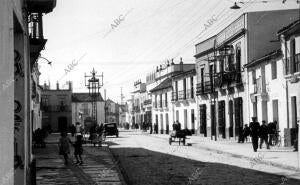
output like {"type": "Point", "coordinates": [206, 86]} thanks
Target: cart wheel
{"type": "Point", "coordinates": [170, 141]}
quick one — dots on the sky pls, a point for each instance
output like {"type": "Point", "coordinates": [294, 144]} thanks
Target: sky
{"type": "Point", "coordinates": [126, 39]}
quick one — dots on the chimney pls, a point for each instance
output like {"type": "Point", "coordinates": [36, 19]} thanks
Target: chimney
{"type": "Point", "coordinates": [172, 61]}
{"type": "Point", "coordinates": [57, 85]}
{"type": "Point", "coordinates": [181, 64]}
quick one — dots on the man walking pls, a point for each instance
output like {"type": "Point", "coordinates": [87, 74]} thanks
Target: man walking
{"type": "Point", "coordinates": [264, 134]}
{"type": "Point", "coordinates": [254, 128]}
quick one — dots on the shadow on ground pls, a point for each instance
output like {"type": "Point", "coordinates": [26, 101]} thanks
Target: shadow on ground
{"type": "Point", "coordinates": [142, 166]}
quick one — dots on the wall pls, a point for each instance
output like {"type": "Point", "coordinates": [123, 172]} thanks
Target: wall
{"type": "Point", "coordinates": [262, 28]}
{"type": "Point", "coordinates": [6, 91]}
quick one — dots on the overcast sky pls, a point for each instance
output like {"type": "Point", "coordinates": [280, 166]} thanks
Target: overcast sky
{"type": "Point", "coordinates": [147, 33]}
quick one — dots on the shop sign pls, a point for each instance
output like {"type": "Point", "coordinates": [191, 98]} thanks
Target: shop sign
{"type": "Point", "coordinates": [232, 29]}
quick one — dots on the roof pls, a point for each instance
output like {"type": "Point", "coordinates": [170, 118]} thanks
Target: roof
{"type": "Point", "coordinates": [84, 97]}
{"type": "Point", "coordinates": [269, 56]}
{"type": "Point", "coordinates": [163, 85]}
{"type": "Point", "coordinates": [288, 27]}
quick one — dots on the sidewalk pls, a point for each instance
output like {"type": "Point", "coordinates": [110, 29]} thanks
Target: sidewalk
{"type": "Point", "coordinates": [282, 157]}
{"type": "Point", "coordinates": [98, 168]}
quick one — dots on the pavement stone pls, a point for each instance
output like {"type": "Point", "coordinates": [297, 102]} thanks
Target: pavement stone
{"type": "Point", "coordinates": [99, 166]}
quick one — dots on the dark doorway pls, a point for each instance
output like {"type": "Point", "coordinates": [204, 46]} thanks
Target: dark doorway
{"type": "Point", "coordinates": [222, 119]}
{"type": "Point", "coordinates": [213, 120]}
{"type": "Point", "coordinates": [203, 129]}
{"type": "Point", "coordinates": [62, 124]}
{"type": "Point", "coordinates": [238, 115]}
{"type": "Point", "coordinates": [230, 109]}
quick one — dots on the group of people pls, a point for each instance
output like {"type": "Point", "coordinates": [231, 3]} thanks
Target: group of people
{"type": "Point", "coordinates": [64, 148]}
{"type": "Point", "coordinates": [265, 132]}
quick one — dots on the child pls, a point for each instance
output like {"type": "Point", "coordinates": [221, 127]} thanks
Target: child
{"type": "Point", "coordinates": [64, 148]}
{"type": "Point", "coordinates": [78, 149]}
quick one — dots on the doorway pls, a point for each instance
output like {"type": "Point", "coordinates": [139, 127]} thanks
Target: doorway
{"type": "Point", "coordinates": [230, 110]}
{"type": "Point", "coordinates": [203, 127]}
{"type": "Point", "coordinates": [222, 119]}
{"type": "Point", "coordinates": [62, 124]}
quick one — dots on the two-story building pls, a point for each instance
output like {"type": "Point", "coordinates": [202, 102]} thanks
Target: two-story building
{"type": "Point", "coordinates": [290, 45]}
{"type": "Point", "coordinates": [184, 99]}
{"type": "Point", "coordinates": [56, 107]}
{"type": "Point", "coordinates": [161, 93]}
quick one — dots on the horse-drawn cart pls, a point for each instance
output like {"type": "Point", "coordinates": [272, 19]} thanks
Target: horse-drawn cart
{"type": "Point", "coordinates": [180, 135]}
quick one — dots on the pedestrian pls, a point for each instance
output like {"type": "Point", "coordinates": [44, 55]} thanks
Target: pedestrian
{"type": "Point", "coordinates": [78, 150]}
{"type": "Point", "coordinates": [272, 131]}
{"type": "Point", "coordinates": [254, 131]}
{"type": "Point", "coordinates": [73, 130]}
{"type": "Point", "coordinates": [241, 137]}
{"type": "Point", "coordinates": [246, 133]}
{"type": "Point", "coordinates": [64, 146]}
{"type": "Point", "coordinates": [263, 132]}
{"type": "Point", "coordinates": [178, 125]}
{"type": "Point", "coordinates": [151, 128]}
{"type": "Point", "coordinates": [78, 129]}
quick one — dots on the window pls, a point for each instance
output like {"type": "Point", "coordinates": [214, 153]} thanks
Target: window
{"type": "Point", "coordinates": [238, 57]}
{"type": "Point", "coordinates": [184, 88]}
{"type": "Point", "coordinates": [192, 87]}
{"type": "Point", "coordinates": [160, 100]}
{"type": "Point", "coordinates": [274, 70]}
{"type": "Point", "coordinates": [253, 77]}
{"type": "Point", "coordinates": [166, 100]}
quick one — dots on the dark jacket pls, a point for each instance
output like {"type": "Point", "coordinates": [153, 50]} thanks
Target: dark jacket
{"type": "Point", "coordinates": [271, 128]}
{"type": "Point", "coordinates": [263, 132]}
{"type": "Point", "coordinates": [254, 128]}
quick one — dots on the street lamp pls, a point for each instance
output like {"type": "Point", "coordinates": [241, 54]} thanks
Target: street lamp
{"type": "Point", "coordinates": [94, 85]}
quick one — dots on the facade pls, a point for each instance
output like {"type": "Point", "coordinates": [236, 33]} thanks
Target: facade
{"type": "Point", "coordinates": [290, 46]}
{"type": "Point", "coordinates": [159, 84]}
{"type": "Point", "coordinates": [82, 108]}
{"type": "Point", "coordinates": [21, 44]}
{"type": "Point", "coordinates": [222, 79]}
{"type": "Point", "coordinates": [56, 106]}
{"type": "Point", "coordinates": [183, 99]}
{"type": "Point", "coordinates": [112, 112]}
{"type": "Point", "coordinates": [267, 90]}
{"type": "Point", "coordinates": [162, 112]}
{"type": "Point", "coordinates": [139, 97]}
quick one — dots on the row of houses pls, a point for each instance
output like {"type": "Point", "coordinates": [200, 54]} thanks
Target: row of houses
{"type": "Point", "coordinates": [21, 42]}
{"type": "Point", "coordinates": [249, 69]}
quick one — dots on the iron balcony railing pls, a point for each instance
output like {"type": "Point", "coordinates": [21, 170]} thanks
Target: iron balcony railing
{"type": "Point", "coordinates": [204, 88]}
{"type": "Point", "coordinates": [292, 64]}
{"type": "Point", "coordinates": [183, 95]}
{"type": "Point", "coordinates": [227, 78]}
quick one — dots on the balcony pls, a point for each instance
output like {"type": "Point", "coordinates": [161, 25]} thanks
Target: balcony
{"type": "Point", "coordinates": [41, 6]}
{"type": "Point", "coordinates": [148, 102]}
{"type": "Point", "coordinates": [228, 79]}
{"type": "Point", "coordinates": [204, 88]}
{"type": "Point", "coordinates": [183, 95]}
{"type": "Point", "coordinates": [292, 64]}
{"type": "Point", "coordinates": [36, 38]}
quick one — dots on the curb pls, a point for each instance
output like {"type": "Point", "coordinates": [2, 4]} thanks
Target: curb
{"type": "Point", "coordinates": [123, 176]}
{"type": "Point", "coordinates": [270, 163]}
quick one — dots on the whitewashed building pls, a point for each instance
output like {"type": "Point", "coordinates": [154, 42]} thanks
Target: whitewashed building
{"type": "Point", "coordinates": [82, 108]}
{"type": "Point", "coordinates": [238, 44]}
{"type": "Point", "coordinates": [184, 99]}
{"type": "Point", "coordinates": [290, 46]}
